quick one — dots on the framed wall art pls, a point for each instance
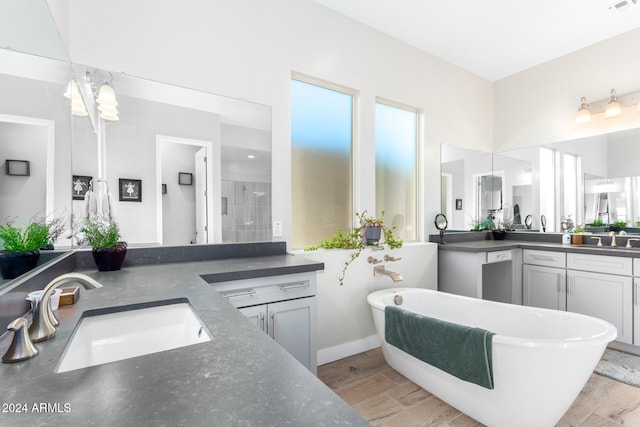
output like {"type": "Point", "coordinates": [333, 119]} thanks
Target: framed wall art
{"type": "Point", "coordinates": [18, 167]}
{"type": "Point", "coordinates": [185, 178]}
{"type": "Point", "coordinates": [130, 190]}
{"type": "Point", "coordinates": [80, 186]}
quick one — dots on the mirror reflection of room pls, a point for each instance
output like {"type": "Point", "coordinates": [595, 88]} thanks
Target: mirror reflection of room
{"type": "Point", "coordinates": [160, 135]}
{"type": "Point", "coordinates": [588, 183]}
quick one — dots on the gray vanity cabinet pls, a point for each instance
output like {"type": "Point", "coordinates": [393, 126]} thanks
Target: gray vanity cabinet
{"type": "Point", "coordinates": [595, 285]}
{"type": "Point", "coordinates": [543, 279]}
{"type": "Point", "coordinates": [601, 286]}
{"type": "Point", "coordinates": [283, 306]}
{"type": "Point", "coordinates": [289, 324]}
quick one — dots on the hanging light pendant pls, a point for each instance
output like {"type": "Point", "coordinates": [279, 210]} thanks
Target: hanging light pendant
{"type": "Point", "coordinates": [107, 104]}
{"type": "Point", "coordinates": [584, 115]}
{"type": "Point", "coordinates": [613, 107]}
{"type": "Point", "coordinates": [77, 104]}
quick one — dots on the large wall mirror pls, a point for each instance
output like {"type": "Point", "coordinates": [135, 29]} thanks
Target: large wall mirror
{"type": "Point", "coordinates": [588, 182]}
{"type": "Point", "coordinates": [198, 165]}
{"type": "Point", "coordinates": [181, 166]}
{"type": "Point", "coordinates": [34, 119]}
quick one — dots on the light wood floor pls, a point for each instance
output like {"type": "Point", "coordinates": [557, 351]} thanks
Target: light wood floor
{"type": "Point", "coordinates": [386, 398]}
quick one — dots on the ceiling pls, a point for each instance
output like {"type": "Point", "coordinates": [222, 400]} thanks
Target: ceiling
{"type": "Point", "coordinates": [494, 38]}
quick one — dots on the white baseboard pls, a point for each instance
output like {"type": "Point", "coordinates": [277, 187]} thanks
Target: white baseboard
{"type": "Point", "coordinates": [337, 352]}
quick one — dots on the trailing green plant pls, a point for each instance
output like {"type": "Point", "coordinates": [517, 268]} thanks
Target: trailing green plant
{"type": "Point", "coordinates": [101, 233]}
{"type": "Point", "coordinates": [355, 239]}
{"type": "Point", "coordinates": [597, 223]}
{"type": "Point", "coordinates": [24, 238]}
{"type": "Point", "coordinates": [620, 224]}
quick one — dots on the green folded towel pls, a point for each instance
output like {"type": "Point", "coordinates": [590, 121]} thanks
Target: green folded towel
{"type": "Point", "coordinates": [459, 350]}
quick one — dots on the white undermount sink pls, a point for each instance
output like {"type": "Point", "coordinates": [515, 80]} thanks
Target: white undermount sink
{"type": "Point", "coordinates": [108, 335]}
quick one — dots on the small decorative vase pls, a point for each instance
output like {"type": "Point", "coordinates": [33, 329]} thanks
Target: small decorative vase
{"type": "Point", "coordinates": [576, 239]}
{"type": "Point", "coordinates": [498, 234]}
{"type": "Point", "coordinates": [372, 235]}
{"type": "Point", "coordinates": [110, 259]}
{"type": "Point", "coordinates": [14, 264]}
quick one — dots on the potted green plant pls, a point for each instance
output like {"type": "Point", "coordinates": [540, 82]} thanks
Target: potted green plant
{"type": "Point", "coordinates": [576, 237]}
{"type": "Point", "coordinates": [617, 226]}
{"type": "Point", "coordinates": [368, 233]}
{"type": "Point", "coordinates": [21, 247]}
{"type": "Point", "coordinates": [104, 237]}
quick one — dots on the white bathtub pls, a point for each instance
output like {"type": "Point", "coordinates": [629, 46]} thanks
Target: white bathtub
{"type": "Point", "coordinates": [541, 358]}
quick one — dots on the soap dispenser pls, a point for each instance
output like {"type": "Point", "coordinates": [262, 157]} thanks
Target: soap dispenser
{"type": "Point", "coordinates": [566, 239]}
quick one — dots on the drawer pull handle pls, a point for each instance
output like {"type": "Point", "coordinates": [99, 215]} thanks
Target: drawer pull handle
{"type": "Point", "coordinates": [273, 326]}
{"type": "Point", "coordinates": [543, 258]}
{"type": "Point", "coordinates": [561, 283]}
{"type": "Point", "coordinates": [244, 293]}
{"type": "Point", "coordinates": [285, 288]}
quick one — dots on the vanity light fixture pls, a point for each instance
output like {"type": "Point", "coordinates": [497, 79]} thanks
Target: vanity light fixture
{"type": "Point", "coordinates": [614, 109]}
{"type": "Point", "coordinates": [609, 108]}
{"type": "Point", "coordinates": [584, 115]}
{"type": "Point", "coordinates": [77, 104]}
{"type": "Point", "coordinates": [107, 104]}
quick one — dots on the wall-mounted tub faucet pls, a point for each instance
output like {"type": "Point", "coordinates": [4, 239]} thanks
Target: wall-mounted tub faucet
{"type": "Point", "coordinates": [379, 270]}
{"type": "Point", "coordinates": [373, 260]}
{"type": "Point", "coordinates": [42, 328]}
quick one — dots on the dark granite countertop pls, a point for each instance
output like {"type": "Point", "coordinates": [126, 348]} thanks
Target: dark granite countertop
{"type": "Point", "coordinates": [240, 378]}
{"type": "Point", "coordinates": [497, 245]}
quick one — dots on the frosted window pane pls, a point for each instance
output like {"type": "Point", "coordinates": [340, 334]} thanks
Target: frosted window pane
{"type": "Point", "coordinates": [321, 140]}
{"type": "Point", "coordinates": [396, 176]}
{"type": "Point", "coordinates": [570, 187]}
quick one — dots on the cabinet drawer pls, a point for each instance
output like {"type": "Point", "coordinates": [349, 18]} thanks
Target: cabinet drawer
{"type": "Point", "coordinates": [498, 256]}
{"type": "Point", "coordinates": [600, 264]}
{"type": "Point", "coordinates": [248, 292]}
{"type": "Point", "coordinates": [544, 258]}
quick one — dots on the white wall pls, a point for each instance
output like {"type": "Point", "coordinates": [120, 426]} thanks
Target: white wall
{"type": "Point", "coordinates": [248, 48]}
{"type": "Point", "coordinates": [539, 105]}
{"type": "Point", "coordinates": [345, 325]}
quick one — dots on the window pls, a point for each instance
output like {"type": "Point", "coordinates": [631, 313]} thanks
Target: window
{"type": "Point", "coordinates": [547, 187]}
{"type": "Point", "coordinates": [570, 194]}
{"type": "Point", "coordinates": [396, 168]}
{"type": "Point", "coordinates": [321, 142]}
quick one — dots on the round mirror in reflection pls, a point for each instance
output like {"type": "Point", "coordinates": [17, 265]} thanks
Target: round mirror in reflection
{"type": "Point", "coordinates": [528, 222]}
{"type": "Point", "coordinates": [441, 222]}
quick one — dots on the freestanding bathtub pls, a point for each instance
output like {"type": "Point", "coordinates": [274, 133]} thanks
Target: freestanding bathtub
{"type": "Point", "coordinates": [541, 358]}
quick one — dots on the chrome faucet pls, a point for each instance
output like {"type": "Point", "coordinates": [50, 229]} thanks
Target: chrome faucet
{"type": "Point", "coordinates": [42, 328]}
{"type": "Point", "coordinates": [613, 239]}
{"type": "Point", "coordinates": [379, 270]}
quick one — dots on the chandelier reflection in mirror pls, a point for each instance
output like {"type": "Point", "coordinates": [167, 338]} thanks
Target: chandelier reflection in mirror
{"type": "Point", "coordinates": [93, 89]}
